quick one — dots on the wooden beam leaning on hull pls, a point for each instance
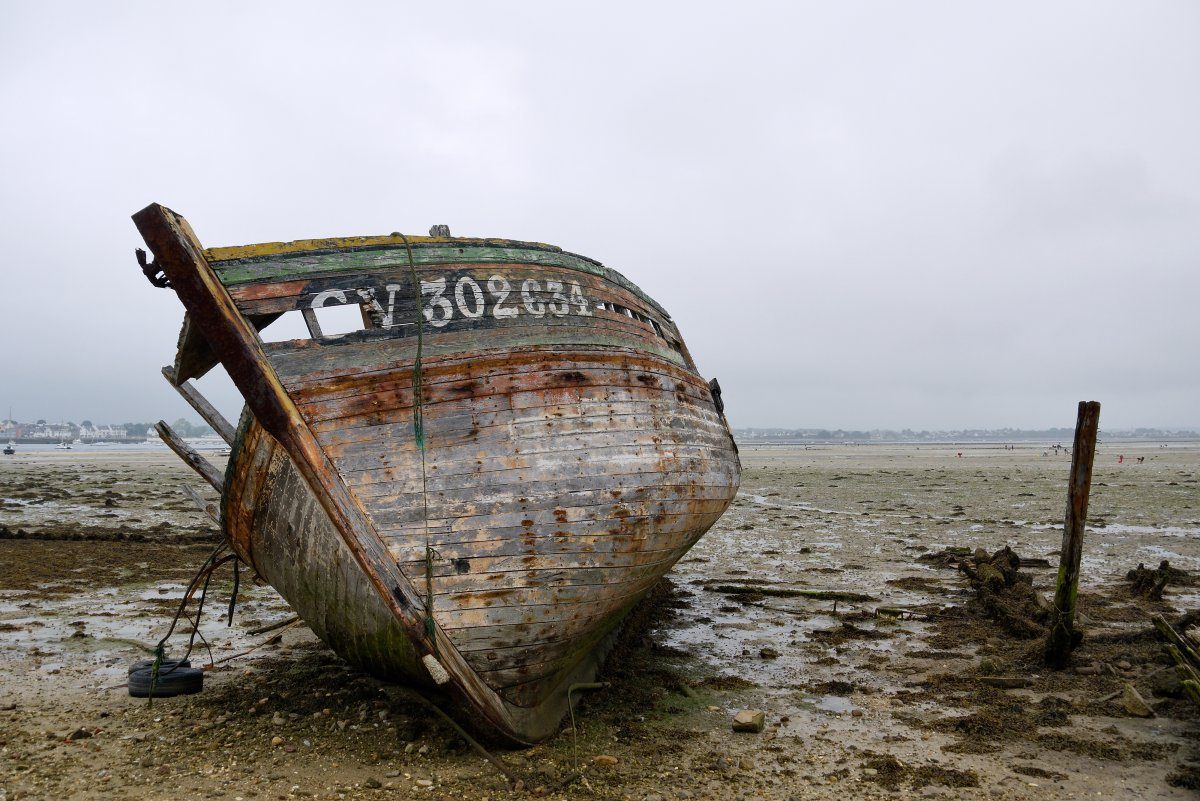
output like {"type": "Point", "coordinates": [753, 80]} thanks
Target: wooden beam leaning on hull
{"type": "Point", "coordinates": [206, 469]}
{"type": "Point", "coordinates": [187, 389]}
{"type": "Point", "coordinates": [232, 336]}
{"type": "Point", "coordinates": [210, 509]}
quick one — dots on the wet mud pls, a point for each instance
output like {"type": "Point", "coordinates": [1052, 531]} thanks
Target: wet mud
{"type": "Point", "coordinates": [831, 597]}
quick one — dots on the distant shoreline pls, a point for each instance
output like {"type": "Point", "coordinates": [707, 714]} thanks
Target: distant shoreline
{"type": "Point", "coordinates": [997, 442]}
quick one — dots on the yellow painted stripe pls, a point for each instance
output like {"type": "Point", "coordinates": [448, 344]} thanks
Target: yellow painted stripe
{"type": "Point", "coordinates": [306, 245]}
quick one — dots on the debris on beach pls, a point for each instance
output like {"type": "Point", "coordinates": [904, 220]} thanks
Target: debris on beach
{"type": "Point", "coordinates": [1150, 584]}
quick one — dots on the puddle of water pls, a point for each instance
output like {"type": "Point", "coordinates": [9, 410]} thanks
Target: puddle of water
{"type": "Point", "coordinates": [103, 627]}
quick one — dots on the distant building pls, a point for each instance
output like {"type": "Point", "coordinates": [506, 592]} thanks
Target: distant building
{"type": "Point", "coordinates": [103, 433]}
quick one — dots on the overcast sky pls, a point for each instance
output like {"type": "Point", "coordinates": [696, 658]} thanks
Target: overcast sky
{"type": "Point", "coordinates": [861, 215]}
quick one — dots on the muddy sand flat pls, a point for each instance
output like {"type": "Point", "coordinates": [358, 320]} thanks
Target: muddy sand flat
{"type": "Point", "coordinates": [829, 596]}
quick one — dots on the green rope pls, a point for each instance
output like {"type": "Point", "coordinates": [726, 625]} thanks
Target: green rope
{"type": "Point", "coordinates": [419, 436]}
{"type": "Point", "coordinates": [418, 401]}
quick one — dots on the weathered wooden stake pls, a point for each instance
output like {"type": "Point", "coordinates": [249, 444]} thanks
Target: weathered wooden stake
{"type": "Point", "coordinates": [1063, 636]}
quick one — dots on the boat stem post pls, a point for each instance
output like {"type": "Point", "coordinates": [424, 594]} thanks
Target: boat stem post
{"type": "Point", "coordinates": [1063, 636]}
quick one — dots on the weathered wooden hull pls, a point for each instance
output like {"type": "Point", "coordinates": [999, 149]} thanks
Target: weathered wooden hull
{"type": "Point", "coordinates": [474, 489]}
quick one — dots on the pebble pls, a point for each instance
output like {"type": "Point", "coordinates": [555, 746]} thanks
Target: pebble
{"type": "Point", "coordinates": [276, 741]}
{"type": "Point", "coordinates": [768, 653]}
{"type": "Point", "coordinates": [424, 783]}
{"type": "Point", "coordinates": [654, 797]}
{"type": "Point", "coordinates": [749, 720]}
{"type": "Point", "coordinates": [746, 763]}
{"type": "Point", "coordinates": [372, 783]}
{"type": "Point", "coordinates": [605, 760]}
{"type": "Point", "coordinates": [856, 713]}
{"type": "Point", "coordinates": [1134, 703]}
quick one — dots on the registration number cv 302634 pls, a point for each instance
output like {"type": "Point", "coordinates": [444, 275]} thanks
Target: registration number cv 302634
{"type": "Point", "coordinates": [466, 298]}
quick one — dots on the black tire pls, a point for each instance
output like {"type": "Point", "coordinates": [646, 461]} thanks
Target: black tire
{"type": "Point", "coordinates": [180, 681]}
{"type": "Point", "coordinates": [147, 664]}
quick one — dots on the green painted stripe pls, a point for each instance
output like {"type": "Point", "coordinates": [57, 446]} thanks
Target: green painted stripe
{"type": "Point", "coordinates": [290, 361]}
{"type": "Point", "coordinates": [311, 264]}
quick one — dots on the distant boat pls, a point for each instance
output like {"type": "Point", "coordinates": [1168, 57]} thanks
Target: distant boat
{"type": "Point", "coordinates": [10, 448]}
{"type": "Point", "coordinates": [63, 446]}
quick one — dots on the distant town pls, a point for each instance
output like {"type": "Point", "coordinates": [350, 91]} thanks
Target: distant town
{"type": "Point", "coordinates": [42, 432]}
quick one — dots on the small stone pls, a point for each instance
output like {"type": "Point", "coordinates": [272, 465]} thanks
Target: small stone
{"type": "Point", "coordinates": [745, 763]}
{"type": "Point", "coordinates": [278, 719]}
{"type": "Point", "coordinates": [870, 772]}
{"type": "Point", "coordinates": [1134, 704]}
{"type": "Point", "coordinates": [79, 734]}
{"type": "Point", "coordinates": [1088, 670]}
{"type": "Point", "coordinates": [424, 783]}
{"type": "Point", "coordinates": [276, 741]}
{"type": "Point", "coordinates": [749, 720]}
{"type": "Point", "coordinates": [856, 713]}
{"type": "Point", "coordinates": [372, 783]}
{"type": "Point", "coordinates": [989, 666]}
{"type": "Point", "coordinates": [683, 794]}
{"type": "Point", "coordinates": [605, 760]}
{"type": "Point", "coordinates": [1124, 665]}
{"type": "Point", "coordinates": [768, 653]}
{"type": "Point", "coordinates": [654, 797]}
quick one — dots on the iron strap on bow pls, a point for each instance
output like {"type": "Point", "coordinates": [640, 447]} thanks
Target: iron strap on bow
{"type": "Point", "coordinates": [154, 274]}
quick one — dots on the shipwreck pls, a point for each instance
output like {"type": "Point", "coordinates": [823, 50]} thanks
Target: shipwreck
{"type": "Point", "coordinates": [468, 493]}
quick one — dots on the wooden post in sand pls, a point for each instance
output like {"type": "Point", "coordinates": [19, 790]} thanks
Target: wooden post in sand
{"type": "Point", "coordinates": [1063, 637]}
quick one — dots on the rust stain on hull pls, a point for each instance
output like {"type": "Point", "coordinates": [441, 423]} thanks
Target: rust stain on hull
{"type": "Point", "coordinates": [568, 452]}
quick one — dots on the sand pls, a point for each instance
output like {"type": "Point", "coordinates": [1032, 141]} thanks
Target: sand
{"type": "Point", "coordinates": [857, 703]}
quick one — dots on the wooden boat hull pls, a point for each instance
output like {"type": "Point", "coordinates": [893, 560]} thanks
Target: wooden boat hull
{"type": "Point", "coordinates": [474, 489]}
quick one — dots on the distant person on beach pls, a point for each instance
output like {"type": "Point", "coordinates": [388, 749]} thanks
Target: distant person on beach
{"type": "Point", "coordinates": [1121, 459]}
